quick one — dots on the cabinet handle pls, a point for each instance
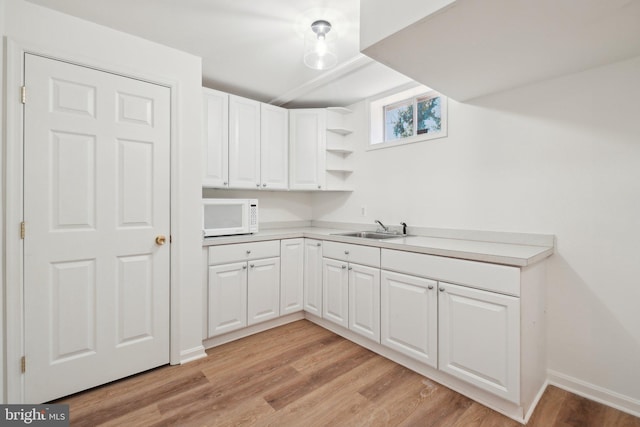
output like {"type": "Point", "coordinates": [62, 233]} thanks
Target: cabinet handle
{"type": "Point", "coordinates": [252, 265]}
{"type": "Point", "coordinates": [441, 288]}
{"type": "Point", "coordinates": [319, 187]}
{"type": "Point", "coordinates": [248, 252]}
{"type": "Point", "coordinates": [346, 252]}
{"type": "Point", "coordinates": [344, 266]}
{"type": "Point", "coordinates": [244, 267]}
{"type": "Point", "coordinates": [430, 286]}
{"type": "Point", "coordinates": [225, 183]}
{"type": "Point", "coordinates": [258, 185]}
{"type": "Point", "coordinates": [264, 185]}
{"type": "Point", "coordinates": [318, 244]}
{"type": "Point", "coordinates": [350, 268]}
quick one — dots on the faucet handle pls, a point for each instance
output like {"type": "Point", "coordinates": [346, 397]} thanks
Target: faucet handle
{"type": "Point", "coordinates": [404, 227]}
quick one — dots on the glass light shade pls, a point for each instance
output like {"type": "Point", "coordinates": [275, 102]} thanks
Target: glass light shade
{"type": "Point", "coordinates": [319, 51]}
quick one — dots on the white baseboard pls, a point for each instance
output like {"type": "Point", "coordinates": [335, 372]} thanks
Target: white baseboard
{"type": "Point", "coordinates": [594, 392]}
{"type": "Point", "coordinates": [192, 354]}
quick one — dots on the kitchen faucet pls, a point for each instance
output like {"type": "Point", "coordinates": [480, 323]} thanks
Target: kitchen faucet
{"type": "Point", "coordinates": [384, 227]}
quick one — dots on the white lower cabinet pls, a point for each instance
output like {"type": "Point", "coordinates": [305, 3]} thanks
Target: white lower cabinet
{"type": "Point", "coordinates": [477, 322]}
{"type": "Point", "coordinates": [227, 297]}
{"type": "Point", "coordinates": [480, 338]}
{"type": "Point", "coordinates": [364, 301]}
{"type": "Point", "coordinates": [335, 288]}
{"type": "Point", "coordinates": [312, 272]}
{"type": "Point", "coordinates": [263, 290]}
{"type": "Point", "coordinates": [243, 285]}
{"type": "Point", "coordinates": [351, 290]}
{"type": "Point", "coordinates": [291, 275]}
{"type": "Point", "coordinates": [409, 316]}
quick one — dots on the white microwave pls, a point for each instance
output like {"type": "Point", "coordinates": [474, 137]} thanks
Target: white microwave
{"type": "Point", "coordinates": [226, 217]}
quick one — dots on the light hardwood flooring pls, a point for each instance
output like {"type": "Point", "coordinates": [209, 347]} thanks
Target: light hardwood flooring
{"type": "Point", "coordinates": [303, 375]}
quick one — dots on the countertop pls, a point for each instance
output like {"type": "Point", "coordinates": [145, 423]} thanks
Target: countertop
{"type": "Point", "coordinates": [518, 255]}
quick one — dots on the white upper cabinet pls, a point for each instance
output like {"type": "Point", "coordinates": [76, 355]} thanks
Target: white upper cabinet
{"type": "Point", "coordinates": [307, 132]}
{"type": "Point", "coordinates": [274, 147]}
{"type": "Point", "coordinates": [244, 143]}
{"type": "Point", "coordinates": [215, 135]}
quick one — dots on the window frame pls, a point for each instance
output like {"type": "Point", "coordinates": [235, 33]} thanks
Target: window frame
{"type": "Point", "coordinates": [377, 117]}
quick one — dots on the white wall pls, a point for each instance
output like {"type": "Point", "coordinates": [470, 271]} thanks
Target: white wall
{"type": "Point", "coordinates": [68, 37]}
{"type": "Point", "coordinates": [560, 157]}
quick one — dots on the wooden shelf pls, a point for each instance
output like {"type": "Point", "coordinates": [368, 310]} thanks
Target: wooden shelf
{"type": "Point", "coordinates": [340, 150]}
{"type": "Point", "coordinates": [335, 169]}
{"type": "Point", "coordinates": [340, 131]}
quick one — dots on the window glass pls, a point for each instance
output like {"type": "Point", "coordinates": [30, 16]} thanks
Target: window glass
{"type": "Point", "coordinates": [429, 115]}
{"type": "Point", "coordinates": [398, 121]}
{"type": "Point", "coordinates": [412, 115]}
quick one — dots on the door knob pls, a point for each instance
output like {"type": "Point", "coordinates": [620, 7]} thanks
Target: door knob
{"type": "Point", "coordinates": [161, 240]}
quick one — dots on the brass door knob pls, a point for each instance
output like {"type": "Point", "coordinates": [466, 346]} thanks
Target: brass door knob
{"type": "Point", "coordinates": [161, 240]}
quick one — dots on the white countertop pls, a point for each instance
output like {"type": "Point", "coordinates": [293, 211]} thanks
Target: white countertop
{"type": "Point", "coordinates": [518, 255]}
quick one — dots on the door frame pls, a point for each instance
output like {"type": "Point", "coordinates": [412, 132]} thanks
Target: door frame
{"type": "Point", "coordinates": [14, 206]}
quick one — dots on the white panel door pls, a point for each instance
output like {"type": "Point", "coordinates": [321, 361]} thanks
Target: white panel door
{"type": "Point", "coordinates": [274, 147]}
{"type": "Point", "coordinates": [291, 275]}
{"type": "Point", "coordinates": [227, 298]}
{"type": "Point", "coordinates": [307, 133]}
{"type": "Point", "coordinates": [96, 195]}
{"type": "Point", "coordinates": [335, 291]}
{"type": "Point", "coordinates": [215, 135]}
{"type": "Point", "coordinates": [263, 290]}
{"type": "Point", "coordinates": [480, 338]}
{"type": "Point", "coordinates": [364, 301]}
{"type": "Point", "coordinates": [312, 277]}
{"type": "Point", "coordinates": [244, 143]}
{"type": "Point", "coordinates": [409, 316]}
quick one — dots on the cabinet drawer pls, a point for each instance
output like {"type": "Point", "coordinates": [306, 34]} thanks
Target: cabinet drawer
{"type": "Point", "coordinates": [481, 275]}
{"type": "Point", "coordinates": [366, 255]}
{"type": "Point", "coordinates": [243, 252]}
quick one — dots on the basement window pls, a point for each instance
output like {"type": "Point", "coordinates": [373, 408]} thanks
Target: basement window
{"type": "Point", "coordinates": [414, 115]}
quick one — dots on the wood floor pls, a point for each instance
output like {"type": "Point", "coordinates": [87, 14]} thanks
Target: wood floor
{"type": "Point", "coordinates": [303, 375]}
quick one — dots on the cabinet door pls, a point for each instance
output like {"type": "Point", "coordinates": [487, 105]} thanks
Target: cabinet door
{"type": "Point", "coordinates": [227, 297]}
{"type": "Point", "coordinates": [335, 291]}
{"type": "Point", "coordinates": [480, 339]}
{"type": "Point", "coordinates": [312, 272]}
{"type": "Point", "coordinates": [307, 131]}
{"type": "Point", "coordinates": [263, 299]}
{"type": "Point", "coordinates": [244, 143]}
{"type": "Point", "coordinates": [274, 147]}
{"type": "Point", "coordinates": [409, 316]}
{"type": "Point", "coordinates": [364, 301]}
{"type": "Point", "coordinates": [215, 137]}
{"type": "Point", "coordinates": [291, 275]}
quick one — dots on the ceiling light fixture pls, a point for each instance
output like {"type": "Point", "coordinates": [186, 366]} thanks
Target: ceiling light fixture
{"type": "Point", "coordinates": [318, 49]}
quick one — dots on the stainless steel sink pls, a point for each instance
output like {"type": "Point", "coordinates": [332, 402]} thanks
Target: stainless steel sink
{"type": "Point", "coordinates": [376, 235]}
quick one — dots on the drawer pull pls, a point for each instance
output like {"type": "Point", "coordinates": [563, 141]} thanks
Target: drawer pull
{"type": "Point", "coordinates": [318, 244]}
{"type": "Point", "coordinates": [244, 267]}
{"type": "Point", "coordinates": [252, 265]}
{"type": "Point", "coordinates": [441, 289]}
{"type": "Point", "coordinates": [346, 252]}
{"type": "Point", "coordinates": [248, 252]}
{"type": "Point", "coordinates": [430, 286]}
{"type": "Point", "coordinates": [344, 266]}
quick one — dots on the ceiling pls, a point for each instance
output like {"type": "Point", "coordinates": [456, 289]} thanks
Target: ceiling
{"type": "Point", "coordinates": [252, 48]}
